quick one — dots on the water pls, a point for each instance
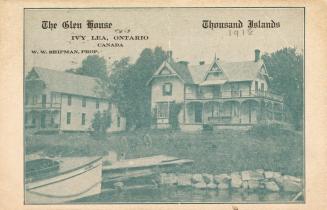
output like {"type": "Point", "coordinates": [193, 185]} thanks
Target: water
{"type": "Point", "coordinates": [173, 194]}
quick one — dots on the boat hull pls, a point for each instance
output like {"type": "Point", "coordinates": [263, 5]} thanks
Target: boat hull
{"type": "Point", "coordinates": [82, 182]}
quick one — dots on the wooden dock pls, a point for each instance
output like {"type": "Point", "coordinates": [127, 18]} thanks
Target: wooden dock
{"type": "Point", "coordinates": [140, 167]}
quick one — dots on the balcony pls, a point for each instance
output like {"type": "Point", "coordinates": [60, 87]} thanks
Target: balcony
{"type": "Point", "coordinates": [43, 106]}
{"type": "Point", "coordinates": [234, 95]}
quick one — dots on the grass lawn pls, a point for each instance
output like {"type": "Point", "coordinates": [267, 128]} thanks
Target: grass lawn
{"type": "Point", "coordinates": [212, 152]}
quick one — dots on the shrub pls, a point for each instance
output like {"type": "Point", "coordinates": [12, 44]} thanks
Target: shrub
{"type": "Point", "coordinates": [174, 110]}
{"type": "Point", "coordinates": [100, 123]}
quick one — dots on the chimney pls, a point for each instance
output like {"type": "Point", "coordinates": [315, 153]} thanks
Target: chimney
{"type": "Point", "coordinates": [201, 63]}
{"type": "Point", "coordinates": [185, 63]}
{"type": "Point", "coordinates": [256, 55]}
{"type": "Point", "coordinates": [169, 55]}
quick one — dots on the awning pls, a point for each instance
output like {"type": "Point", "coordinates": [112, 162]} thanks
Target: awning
{"type": "Point", "coordinates": [213, 82]}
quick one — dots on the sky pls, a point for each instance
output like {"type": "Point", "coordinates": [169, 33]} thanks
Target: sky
{"type": "Point", "coordinates": [176, 29]}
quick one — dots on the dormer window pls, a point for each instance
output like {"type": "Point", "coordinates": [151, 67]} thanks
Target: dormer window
{"type": "Point", "coordinates": [167, 89]}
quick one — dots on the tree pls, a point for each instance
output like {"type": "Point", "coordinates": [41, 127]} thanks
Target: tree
{"type": "Point", "coordinates": [285, 66]}
{"type": "Point", "coordinates": [100, 122]}
{"type": "Point", "coordinates": [93, 66]}
{"type": "Point", "coordinates": [127, 88]}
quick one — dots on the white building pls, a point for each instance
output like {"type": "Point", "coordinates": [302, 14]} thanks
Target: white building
{"type": "Point", "coordinates": [61, 101]}
{"type": "Point", "coordinates": [216, 94]}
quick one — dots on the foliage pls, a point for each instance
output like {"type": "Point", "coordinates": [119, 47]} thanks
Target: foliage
{"type": "Point", "coordinates": [174, 110]}
{"type": "Point", "coordinates": [127, 87]}
{"type": "Point", "coordinates": [154, 116]}
{"type": "Point", "coordinates": [93, 66]}
{"type": "Point", "coordinates": [285, 66]}
{"type": "Point", "coordinates": [100, 122]}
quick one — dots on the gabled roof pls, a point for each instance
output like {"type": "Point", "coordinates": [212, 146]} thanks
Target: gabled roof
{"type": "Point", "coordinates": [179, 69]}
{"type": "Point", "coordinates": [242, 71]}
{"type": "Point", "coordinates": [234, 71]}
{"type": "Point", "coordinates": [183, 71]}
{"type": "Point", "coordinates": [70, 83]}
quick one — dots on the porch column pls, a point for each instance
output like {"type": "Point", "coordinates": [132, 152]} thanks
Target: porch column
{"type": "Point", "coordinates": [184, 111]}
{"type": "Point", "coordinates": [202, 113]}
{"type": "Point", "coordinates": [169, 112]}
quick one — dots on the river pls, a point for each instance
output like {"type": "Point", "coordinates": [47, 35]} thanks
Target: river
{"type": "Point", "coordinates": [173, 194]}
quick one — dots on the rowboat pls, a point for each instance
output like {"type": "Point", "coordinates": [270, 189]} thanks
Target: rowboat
{"type": "Point", "coordinates": [61, 180]}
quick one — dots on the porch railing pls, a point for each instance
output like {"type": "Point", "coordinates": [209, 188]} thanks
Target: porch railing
{"type": "Point", "coordinates": [43, 106]}
{"type": "Point", "coordinates": [233, 94]}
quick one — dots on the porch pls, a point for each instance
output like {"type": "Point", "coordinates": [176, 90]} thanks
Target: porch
{"type": "Point", "coordinates": [232, 112]}
{"type": "Point", "coordinates": [42, 119]}
{"type": "Point", "coordinates": [218, 94]}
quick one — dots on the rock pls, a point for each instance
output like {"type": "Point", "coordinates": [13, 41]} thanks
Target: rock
{"type": "Point", "coordinates": [184, 179]}
{"type": "Point", "coordinates": [245, 185]}
{"type": "Point", "coordinates": [119, 185]}
{"type": "Point", "coordinates": [253, 184]}
{"type": "Point", "coordinates": [278, 178]}
{"type": "Point", "coordinates": [260, 171]}
{"type": "Point", "coordinates": [207, 178]}
{"type": "Point", "coordinates": [262, 184]}
{"type": "Point", "coordinates": [291, 186]}
{"type": "Point", "coordinates": [277, 175]}
{"type": "Point", "coordinates": [292, 178]}
{"type": "Point", "coordinates": [223, 186]}
{"type": "Point", "coordinates": [211, 186]}
{"type": "Point", "coordinates": [269, 174]}
{"type": "Point", "coordinates": [272, 186]}
{"type": "Point", "coordinates": [251, 175]}
{"type": "Point", "coordinates": [200, 185]}
{"type": "Point", "coordinates": [162, 178]}
{"type": "Point", "coordinates": [221, 178]}
{"type": "Point", "coordinates": [236, 180]}
{"type": "Point", "coordinates": [168, 179]}
{"type": "Point", "coordinates": [196, 178]}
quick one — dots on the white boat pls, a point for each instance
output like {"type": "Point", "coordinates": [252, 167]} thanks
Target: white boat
{"type": "Point", "coordinates": [62, 180]}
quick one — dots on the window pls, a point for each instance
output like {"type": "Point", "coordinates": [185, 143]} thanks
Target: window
{"type": "Point", "coordinates": [69, 100]}
{"type": "Point", "coordinates": [34, 100]}
{"type": "Point", "coordinates": [55, 98]}
{"type": "Point", "coordinates": [118, 121]}
{"type": "Point", "coordinates": [84, 102]}
{"type": "Point", "coordinates": [167, 89]}
{"type": "Point", "coordinates": [109, 106]}
{"type": "Point", "coordinates": [83, 118]}
{"type": "Point", "coordinates": [262, 86]}
{"type": "Point", "coordinates": [188, 92]}
{"type": "Point", "coordinates": [162, 110]}
{"type": "Point", "coordinates": [256, 86]}
{"type": "Point", "coordinates": [26, 99]}
{"type": "Point", "coordinates": [97, 104]}
{"type": "Point", "coordinates": [26, 118]}
{"type": "Point", "coordinates": [68, 117]}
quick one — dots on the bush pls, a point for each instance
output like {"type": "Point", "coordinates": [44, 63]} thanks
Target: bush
{"type": "Point", "coordinates": [100, 123]}
{"type": "Point", "coordinates": [174, 109]}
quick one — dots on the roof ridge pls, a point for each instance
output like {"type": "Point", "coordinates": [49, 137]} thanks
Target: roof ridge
{"type": "Point", "coordinates": [64, 72]}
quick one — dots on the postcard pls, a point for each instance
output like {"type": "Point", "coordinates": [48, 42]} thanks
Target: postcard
{"type": "Point", "coordinates": [165, 105]}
